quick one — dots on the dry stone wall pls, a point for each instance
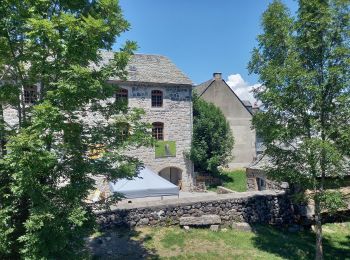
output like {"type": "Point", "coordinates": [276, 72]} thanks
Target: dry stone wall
{"type": "Point", "coordinates": [267, 207]}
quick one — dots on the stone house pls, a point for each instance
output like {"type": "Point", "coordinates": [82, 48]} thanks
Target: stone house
{"type": "Point", "coordinates": [239, 116]}
{"type": "Point", "coordinates": [257, 179]}
{"type": "Point", "coordinates": [157, 86]}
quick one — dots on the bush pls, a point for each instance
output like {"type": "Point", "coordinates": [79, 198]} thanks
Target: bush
{"type": "Point", "coordinates": [212, 140]}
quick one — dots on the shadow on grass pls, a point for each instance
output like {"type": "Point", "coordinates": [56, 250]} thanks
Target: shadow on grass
{"type": "Point", "coordinates": [300, 245]}
{"type": "Point", "coordinates": [121, 243]}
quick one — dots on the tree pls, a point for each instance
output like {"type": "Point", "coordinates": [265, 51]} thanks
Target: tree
{"type": "Point", "coordinates": [46, 167]}
{"type": "Point", "coordinates": [303, 66]}
{"type": "Point", "coordinates": [212, 139]}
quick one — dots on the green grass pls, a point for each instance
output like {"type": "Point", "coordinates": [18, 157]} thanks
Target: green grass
{"type": "Point", "coordinates": [234, 180]}
{"type": "Point", "coordinates": [265, 242]}
{"type": "Point", "coordinates": [161, 150]}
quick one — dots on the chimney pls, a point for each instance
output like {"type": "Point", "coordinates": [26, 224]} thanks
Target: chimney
{"type": "Point", "coordinates": [217, 75]}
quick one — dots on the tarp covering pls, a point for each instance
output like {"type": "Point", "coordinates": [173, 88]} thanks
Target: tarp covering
{"type": "Point", "coordinates": [147, 184]}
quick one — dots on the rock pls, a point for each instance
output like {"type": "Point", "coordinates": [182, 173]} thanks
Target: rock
{"type": "Point", "coordinates": [108, 238]}
{"type": "Point", "coordinates": [204, 220]}
{"type": "Point", "coordinates": [143, 221]}
{"type": "Point", "coordinates": [214, 228]}
{"type": "Point", "coordinates": [242, 226]}
{"type": "Point", "coordinates": [284, 185]}
{"type": "Point", "coordinates": [187, 228]}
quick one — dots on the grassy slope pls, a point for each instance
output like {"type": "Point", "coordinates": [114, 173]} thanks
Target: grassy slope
{"type": "Point", "coordinates": [234, 180]}
{"type": "Point", "coordinates": [265, 243]}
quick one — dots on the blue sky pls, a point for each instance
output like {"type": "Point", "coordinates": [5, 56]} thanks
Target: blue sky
{"type": "Point", "coordinates": [199, 36]}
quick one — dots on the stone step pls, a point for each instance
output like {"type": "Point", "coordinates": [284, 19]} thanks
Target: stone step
{"type": "Point", "coordinates": [204, 220]}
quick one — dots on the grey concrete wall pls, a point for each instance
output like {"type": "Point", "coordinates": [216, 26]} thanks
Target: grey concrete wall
{"type": "Point", "coordinates": [239, 118]}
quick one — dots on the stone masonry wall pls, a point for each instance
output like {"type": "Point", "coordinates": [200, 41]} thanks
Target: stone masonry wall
{"type": "Point", "coordinates": [176, 114]}
{"type": "Point", "coordinates": [252, 185]}
{"type": "Point", "coordinates": [267, 207]}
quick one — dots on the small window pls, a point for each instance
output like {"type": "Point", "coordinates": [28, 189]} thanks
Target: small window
{"type": "Point", "coordinates": [157, 130]}
{"type": "Point", "coordinates": [30, 95]}
{"type": "Point", "coordinates": [261, 183]}
{"type": "Point", "coordinates": [122, 95]}
{"type": "Point", "coordinates": [157, 98]}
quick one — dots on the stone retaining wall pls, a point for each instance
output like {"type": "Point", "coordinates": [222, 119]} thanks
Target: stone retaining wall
{"type": "Point", "coordinates": [268, 207]}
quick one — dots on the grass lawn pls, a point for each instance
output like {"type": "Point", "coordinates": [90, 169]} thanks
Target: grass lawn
{"type": "Point", "coordinates": [233, 180]}
{"type": "Point", "coordinates": [265, 242]}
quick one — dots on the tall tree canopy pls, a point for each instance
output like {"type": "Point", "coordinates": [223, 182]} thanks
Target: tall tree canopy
{"type": "Point", "coordinates": [303, 63]}
{"type": "Point", "coordinates": [212, 140]}
{"type": "Point", "coordinates": [46, 167]}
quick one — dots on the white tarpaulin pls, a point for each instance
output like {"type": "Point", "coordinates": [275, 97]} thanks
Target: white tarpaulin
{"type": "Point", "coordinates": [147, 184]}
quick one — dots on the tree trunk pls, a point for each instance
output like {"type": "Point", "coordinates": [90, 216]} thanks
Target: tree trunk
{"type": "Point", "coordinates": [2, 132]}
{"type": "Point", "coordinates": [318, 230]}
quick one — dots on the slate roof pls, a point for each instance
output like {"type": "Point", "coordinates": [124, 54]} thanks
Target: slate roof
{"type": "Point", "coordinates": [149, 68]}
{"type": "Point", "coordinates": [203, 86]}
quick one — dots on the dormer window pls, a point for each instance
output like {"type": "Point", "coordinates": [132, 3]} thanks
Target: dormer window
{"type": "Point", "coordinates": [157, 98]}
{"type": "Point", "coordinates": [30, 95]}
{"type": "Point", "coordinates": [122, 95]}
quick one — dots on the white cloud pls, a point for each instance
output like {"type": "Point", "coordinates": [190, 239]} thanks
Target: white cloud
{"type": "Point", "coordinates": [242, 88]}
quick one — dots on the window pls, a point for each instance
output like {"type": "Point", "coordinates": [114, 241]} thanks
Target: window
{"type": "Point", "coordinates": [157, 130]}
{"type": "Point", "coordinates": [122, 95]}
{"type": "Point", "coordinates": [261, 183]}
{"type": "Point", "coordinates": [157, 98]}
{"type": "Point", "coordinates": [30, 95]}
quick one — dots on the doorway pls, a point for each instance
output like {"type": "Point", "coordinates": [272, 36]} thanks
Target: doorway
{"type": "Point", "coordinates": [172, 175]}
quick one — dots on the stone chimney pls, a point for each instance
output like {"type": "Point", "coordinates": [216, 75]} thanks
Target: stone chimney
{"type": "Point", "coordinates": [217, 75]}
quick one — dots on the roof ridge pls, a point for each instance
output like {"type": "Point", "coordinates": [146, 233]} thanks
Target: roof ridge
{"type": "Point", "coordinates": [152, 68]}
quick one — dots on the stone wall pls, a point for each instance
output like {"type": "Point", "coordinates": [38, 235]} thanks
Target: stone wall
{"type": "Point", "coordinates": [10, 116]}
{"type": "Point", "coordinates": [252, 185]}
{"type": "Point", "coordinates": [176, 114]}
{"type": "Point", "coordinates": [267, 207]}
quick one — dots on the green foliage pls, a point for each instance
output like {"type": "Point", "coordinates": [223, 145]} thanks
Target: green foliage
{"type": "Point", "coordinates": [46, 172]}
{"type": "Point", "coordinates": [212, 140]}
{"type": "Point", "coordinates": [161, 150]}
{"type": "Point", "coordinates": [303, 65]}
